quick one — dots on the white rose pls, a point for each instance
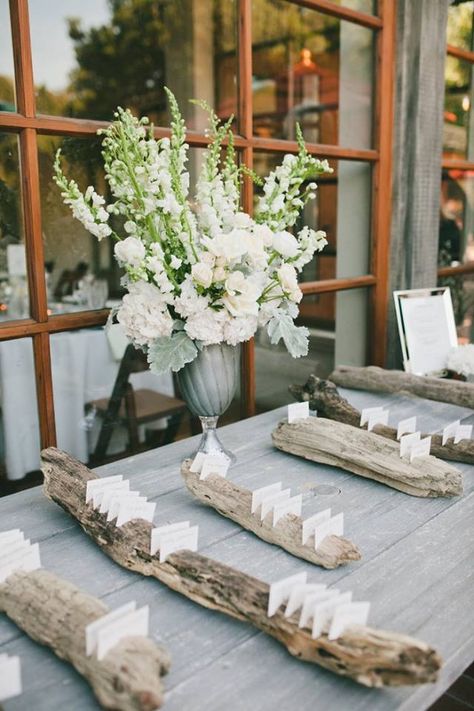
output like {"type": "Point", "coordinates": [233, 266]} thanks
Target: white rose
{"type": "Point", "coordinates": [241, 295]}
{"type": "Point", "coordinates": [285, 244]}
{"type": "Point", "coordinates": [289, 282]}
{"type": "Point", "coordinates": [231, 246]}
{"type": "Point", "coordinates": [219, 274]}
{"type": "Point", "coordinates": [130, 251]}
{"type": "Point", "coordinates": [202, 274]}
{"type": "Point", "coordinates": [264, 233]}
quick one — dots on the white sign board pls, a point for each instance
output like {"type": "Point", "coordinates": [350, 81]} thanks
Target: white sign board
{"type": "Point", "coordinates": [427, 328]}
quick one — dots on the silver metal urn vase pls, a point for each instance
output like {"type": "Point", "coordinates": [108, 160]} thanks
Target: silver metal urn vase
{"type": "Point", "coordinates": [208, 385]}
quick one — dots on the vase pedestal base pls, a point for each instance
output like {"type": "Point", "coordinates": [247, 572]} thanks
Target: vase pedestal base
{"type": "Point", "coordinates": [210, 442]}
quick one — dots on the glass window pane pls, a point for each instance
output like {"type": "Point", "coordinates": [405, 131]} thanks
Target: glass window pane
{"type": "Point", "coordinates": [90, 56]}
{"type": "Point", "coordinates": [312, 69]}
{"type": "Point", "coordinates": [342, 209]}
{"type": "Point", "coordinates": [456, 232]}
{"type": "Point", "coordinates": [458, 138]}
{"type": "Point", "coordinates": [459, 31]}
{"type": "Point", "coordinates": [7, 74]}
{"type": "Point", "coordinates": [367, 6]}
{"type": "Point", "coordinates": [462, 296]}
{"type": "Point", "coordinates": [14, 302]}
{"type": "Point", "coordinates": [337, 324]}
{"type": "Point", "coordinates": [19, 441]}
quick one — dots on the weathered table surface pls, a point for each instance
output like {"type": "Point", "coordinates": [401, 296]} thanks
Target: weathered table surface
{"type": "Point", "coordinates": [417, 571]}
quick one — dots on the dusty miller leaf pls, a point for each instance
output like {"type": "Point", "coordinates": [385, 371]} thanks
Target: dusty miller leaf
{"type": "Point", "coordinates": [294, 337]}
{"type": "Point", "coordinates": [171, 353]}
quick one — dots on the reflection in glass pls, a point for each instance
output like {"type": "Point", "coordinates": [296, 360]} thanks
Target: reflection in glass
{"type": "Point", "coordinates": [19, 441]}
{"type": "Point", "coordinates": [342, 209]}
{"type": "Point", "coordinates": [312, 69]}
{"type": "Point", "coordinates": [460, 24]}
{"type": "Point", "coordinates": [456, 232]}
{"type": "Point", "coordinates": [7, 80]}
{"type": "Point", "coordinates": [91, 55]}
{"type": "Point", "coordinates": [337, 324]}
{"type": "Point", "coordinates": [458, 141]}
{"type": "Point", "coordinates": [14, 302]}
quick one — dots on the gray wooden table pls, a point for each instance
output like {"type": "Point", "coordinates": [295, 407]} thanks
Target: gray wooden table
{"type": "Point", "coordinates": [417, 571]}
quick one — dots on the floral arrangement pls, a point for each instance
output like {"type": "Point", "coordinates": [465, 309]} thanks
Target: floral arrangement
{"type": "Point", "coordinates": [461, 360]}
{"type": "Point", "coordinates": [202, 271]}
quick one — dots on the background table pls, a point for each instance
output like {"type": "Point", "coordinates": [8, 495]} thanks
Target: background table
{"type": "Point", "coordinates": [417, 571]}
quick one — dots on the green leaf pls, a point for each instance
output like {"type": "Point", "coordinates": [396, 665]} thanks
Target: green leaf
{"type": "Point", "coordinates": [171, 353]}
{"type": "Point", "coordinates": [294, 337]}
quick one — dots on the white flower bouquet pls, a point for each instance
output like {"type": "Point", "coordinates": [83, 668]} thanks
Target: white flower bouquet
{"type": "Point", "coordinates": [202, 271]}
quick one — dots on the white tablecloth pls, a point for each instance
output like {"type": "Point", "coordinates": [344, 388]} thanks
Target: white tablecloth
{"type": "Point", "coordinates": [83, 370]}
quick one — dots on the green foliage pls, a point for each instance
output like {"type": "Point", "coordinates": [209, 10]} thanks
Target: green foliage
{"type": "Point", "coordinates": [294, 337]}
{"type": "Point", "coordinates": [171, 353]}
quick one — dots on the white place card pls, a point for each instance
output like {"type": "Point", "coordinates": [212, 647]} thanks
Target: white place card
{"type": "Point", "coordinates": [351, 613]}
{"type": "Point", "coordinates": [10, 677]}
{"type": "Point", "coordinates": [332, 527]}
{"type": "Point", "coordinates": [463, 432]}
{"type": "Point", "coordinates": [450, 431]}
{"type": "Point", "coordinates": [298, 411]}
{"type": "Point", "coordinates": [299, 593]}
{"type": "Point", "coordinates": [260, 494]}
{"type": "Point", "coordinates": [310, 602]}
{"type": "Point", "coordinates": [116, 500]}
{"type": "Point", "coordinates": [26, 560]}
{"type": "Point", "coordinates": [109, 493]}
{"type": "Point", "coordinates": [310, 523]}
{"type": "Point", "coordinates": [281, 590]}
{"type": "Point", "coordinates": [407, 441]}
{"type": "Point", "coordinates": [96, 484]}
{"type": "Point", "coordinates": [407, 426]}
{"type": "Point", "coordinates": [132, 508]}
{"type": "Point", "coordinates": [379, 418]}
{"type": "Point", "coordinates": [196, 464]}
{"type": "Point", "coordinates": [323, 612]}
{"type": "Point", "coordinates": [185, 539]}
{"type": "Point", "coordinates": [368, 412]}
{"type": "Point", "coordinates": [420, 449]}
{"type": "Point", "coordinates": [92, 630]}
{"type": "Point", "coordinates": [218, 466]}
{"type": "Point", "coordinates": [13, 550]}
{"type": "Point", "coordinates": [159, 531]}
{"type": "Point", "coordinates": [269, 501]}
{"type": "Point", "coordinates": [292, 505]}
{"type": "Point", "coordinates": [12, 535]}
{"type": "Point", "coordinates": [132, 624]}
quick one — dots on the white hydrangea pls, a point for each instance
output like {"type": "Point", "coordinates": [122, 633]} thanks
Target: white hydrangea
{"type": "Point", "coordinates": [206, 326]}
{"type": "Point", "coordinates": [189, 302]}
{"type": "Point", "coordinates": [239, 330]}
{"type": "Point", "coordinates": [143, 314]}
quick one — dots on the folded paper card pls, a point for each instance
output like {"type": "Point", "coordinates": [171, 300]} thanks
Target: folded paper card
{"type": "Point", "coordinates": [420, 449]}
{"type": "Point", "coordinates": [133, 508]}
{"type": "Point", "coordinates": [122, 487]}
{"type": "Point", "coordinates": [377, 418]}
{"type": "Point", "coordinates": [281, 590]}
{"type": "Point", "coordinates": [406, 426]}
{"type": "Point", "coordinates": [12, 535]}
{"type": "Point", "coordinates": [463, 432]}
{"type": "Point", "coordinates": [16, 553]}
{"type": "Point", "coordinates": [351, 613]}
{"type": "Point", "coordinates": [450, 430]}
{"type": "Point", "coordinates": [407, 441]}
{"type": "Point", "coordinates": [260, 494]}
{"type": "Point", "coordinates": [332, 527]}
{"type": "Point", "coordinates": [157, 533]}
{"type": "Point", "coordinates": [323, 612]}
{"type": "Point", "coordinates": [214, 464]}
{"type": "Point", "coordinates": [310, 602]}
{"type": "Point", "coordinates": [185, 539]}
{"type": "Point", "coordinates": [310, 523]}
{"type": "Point", "coordinates": [96, 484]}
{"type": "Point", "coordinates": [298, 411]}
{"type": "Point", "coordinates": [131, 624]}
{"type": "Point", "coordinates": [299, 593]}
{"type": "Point", "coordinates": [368, 412]}
{"type": "Point", "coordinates": [269, 501]}
{"type": "Point", "coordinates": [197, 462]}
{"type": "Point", "coordinates": [10, 677]}
{"type": "Point", "coordinates": [92, 630]}
{"type": "Point", "coordinates": [116, 500]}
{"type": "Point", "coordinates": [289, 506]}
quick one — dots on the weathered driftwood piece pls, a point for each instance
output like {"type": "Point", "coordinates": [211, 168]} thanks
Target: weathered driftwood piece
{"type": "Point", "coordinates": [371, 657]}
{"type": "Point", "coordinates": [368, 455]}
{"type": "Point", "coordinates": [234, 502]}
{"type": "Point", "coordinates": [324, 397]}
{"type": "Point", "coordinates": [55, 613]}
{"type": "Point", "coordinates": [455, 392]}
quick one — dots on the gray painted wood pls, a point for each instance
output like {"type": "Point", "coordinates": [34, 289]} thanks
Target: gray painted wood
{"type": "Point", "coordinates": [416, 570]}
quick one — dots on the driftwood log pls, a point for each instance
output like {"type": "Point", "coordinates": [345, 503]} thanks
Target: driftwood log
{"type": "Point", "coordinates": [367, 455]}
{"type": "Point", "coordinates": [55, 613]}
{"type": "Point", "coordinates": [234, 502]}
{"type": "Point", "coordinates": [371, 657]}
{"type": "Point", "coordinates": [376, 379]}
{"type": "Point", "coordinates": [324, 397]}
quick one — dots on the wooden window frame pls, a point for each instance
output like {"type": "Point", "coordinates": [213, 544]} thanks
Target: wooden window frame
{"type": "Point", "coordinates": [27, 125]}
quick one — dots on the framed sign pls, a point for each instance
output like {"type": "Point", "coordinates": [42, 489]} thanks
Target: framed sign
{"type": "Point", "coordinates": [427, 328]}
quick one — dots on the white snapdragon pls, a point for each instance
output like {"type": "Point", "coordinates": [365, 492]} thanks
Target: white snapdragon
{"type": "Point", "coordinates": [143, 314]}
{"type": "Point", "coordinates": [310, 242]}
{"type": "Point", "coordinates": [288, 279]}
{"type": "Point", "coordinates": [175, 262]}
{"type": "Point", "coordinates": [285, 244]}
{"type": "Point", "coordinates": [130, 252]}
{"type": "Point", "coordinates": [264, 233]}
